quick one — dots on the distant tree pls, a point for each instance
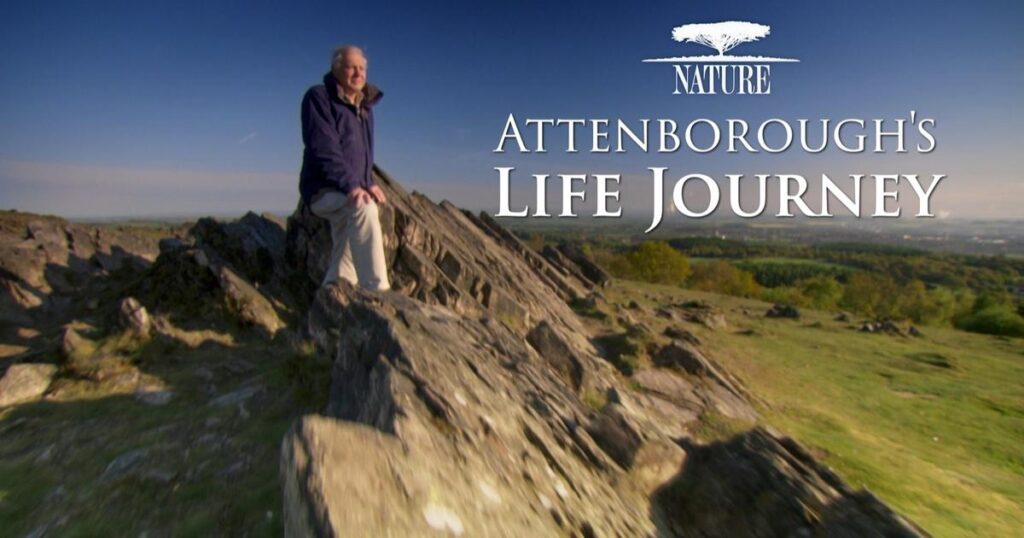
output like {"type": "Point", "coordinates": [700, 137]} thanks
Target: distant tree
{"type": "Point", "coordinates": [721, 36]}
{"type": "Point", "coordinates": [657, 262]}
{"type": "Point", "coordinates": [822, 291]}
{"type": "Point", "coordinates": [871, 294]}
{"type": "Point", "coordinates": [999, 320]}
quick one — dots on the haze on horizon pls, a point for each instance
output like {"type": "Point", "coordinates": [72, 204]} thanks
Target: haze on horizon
{"type": "Point", "coordinates": [143, 111]}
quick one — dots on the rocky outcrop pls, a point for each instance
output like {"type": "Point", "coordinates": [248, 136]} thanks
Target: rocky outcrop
{"type": "Point", "coordinates": [463, 428]}
{"type": "Point", "coordinates": [470, 400]}
{"type": "Point", "coordinates": [480, 408]}
{"type": "Point", "coordinates": [44, 260]}
{"type": "Point", "coordinates": [232, 268]}
{"type": "Point", "coordinates": [775, 488]}
{"type": "Point", "coordinates": [465, 419]}
{"type": "Point", "coordinates": [442, 255]}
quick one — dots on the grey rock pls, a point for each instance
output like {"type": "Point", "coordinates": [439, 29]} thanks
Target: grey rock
{"type": "Point", "coordinates": [783, 311]}
{"type": "Point", "coordinates": [614, 432]}
{"type": "Point", "coordinates": [172, 243]}
{"type": "Point", "coordinates": [680, 333]}
{"type": "Point", "coordinates": [456, 397]}
{"type": "Point", "coordinates": [72, 343]}
{"type": "Point", "coordinates": [25, 382]}
{"type": "Point", "coordinates": [408, 379]}
{"type": "Point", "coordinates": [248, 303]}
{"type": "Point", "coordinates": [238, 396]}
{"type": "Point", "coordinates": [553, 348]}
{"type": "Point", "coordinates": [124, 463]}
{"type": "Point", "coordinates": [745, 471]}
{"type": "Point", "coordinates": [133, 316]}
{"type": "Point", "coordinates": [157, 397]}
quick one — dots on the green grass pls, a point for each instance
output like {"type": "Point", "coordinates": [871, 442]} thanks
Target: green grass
{"type": "Point", "coordinates": [932, 425]}
{"type": "Point", "coordinates": [89, 427]}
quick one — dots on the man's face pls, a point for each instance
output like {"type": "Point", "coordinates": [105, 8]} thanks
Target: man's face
{"type": "Point", "coordinates": [352, 74]}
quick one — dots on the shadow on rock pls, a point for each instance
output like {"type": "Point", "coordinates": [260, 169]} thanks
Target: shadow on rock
{"type": "Point", "coordinates": [760, 484]}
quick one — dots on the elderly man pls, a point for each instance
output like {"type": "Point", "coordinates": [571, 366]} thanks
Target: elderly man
{"type": "Point", "coordinates": [337, 169]}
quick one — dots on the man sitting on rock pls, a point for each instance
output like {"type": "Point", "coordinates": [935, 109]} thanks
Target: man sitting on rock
{"type": "Point", "coordinates": [337, 169]}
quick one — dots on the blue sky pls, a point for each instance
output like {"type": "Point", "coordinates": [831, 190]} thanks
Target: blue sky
{"type": "Point", "coordinates": [137, 108]}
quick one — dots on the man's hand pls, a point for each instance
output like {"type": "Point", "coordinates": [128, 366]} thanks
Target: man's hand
{"type": "Point", "coordinates": [359, 197]}
{"type": "Point", "coordinates": [377, 194]}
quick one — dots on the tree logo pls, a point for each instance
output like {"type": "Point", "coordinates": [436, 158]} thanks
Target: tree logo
{"type": "Point", "coordinates": [722, 73]}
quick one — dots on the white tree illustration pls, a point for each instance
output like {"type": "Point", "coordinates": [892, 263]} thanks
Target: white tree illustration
{"type": "Point", "coordinates": [720, 36]}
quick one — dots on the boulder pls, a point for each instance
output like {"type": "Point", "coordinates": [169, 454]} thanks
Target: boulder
{"type": "Point", "coordinates": [680, 333]}
{"type": "Point", "coordinates": [783, 490]}
{"type": "Point", "coordinates": [25, 382]}
{"type": "Point", "coordinates": [251, 307]}
{"type": "Point", "coordinates": [133, 317]}
{"type": "Point", "coordinates": [783, 311]}
{"type": "Point", "coordinates": [554, 349]}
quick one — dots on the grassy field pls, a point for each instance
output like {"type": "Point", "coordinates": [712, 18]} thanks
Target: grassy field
{"type": "Point", "coordinates": [202, 469]}
{"type": "Point", "coordinates": [933, 425]}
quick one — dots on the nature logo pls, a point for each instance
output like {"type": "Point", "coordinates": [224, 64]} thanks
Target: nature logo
{"type": "Point", "coordinates": [723, 37]}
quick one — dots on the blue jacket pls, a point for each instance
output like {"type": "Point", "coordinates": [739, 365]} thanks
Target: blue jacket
{"type": "Point", "coordinates": [338, 139]}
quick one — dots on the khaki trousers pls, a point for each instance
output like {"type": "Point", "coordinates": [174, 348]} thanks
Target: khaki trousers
{"type": "Point", "coordinates": [357, 253]}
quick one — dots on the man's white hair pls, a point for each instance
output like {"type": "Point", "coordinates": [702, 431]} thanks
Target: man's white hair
{"type": "Point", "coordinates": [340, 54]}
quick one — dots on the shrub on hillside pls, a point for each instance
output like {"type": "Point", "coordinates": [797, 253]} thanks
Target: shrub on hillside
{"type": "Point", "coordinates": [822, 292]}
{"type": "Point", "coordinates": [787, 295]}
{"type": "Point", "coordinates": [999, 320]}
{"type": "Point", "coordinates": [652, 261]}
{"type": "Point", "coordinates": [723, 277]}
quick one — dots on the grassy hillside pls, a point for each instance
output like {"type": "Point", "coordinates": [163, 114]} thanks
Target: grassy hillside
{"type": "Point", "coordinates": [933, 425]}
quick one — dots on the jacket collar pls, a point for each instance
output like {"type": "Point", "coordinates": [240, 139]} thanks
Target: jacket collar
{"type": "Point", "coordinates": [371, 93]}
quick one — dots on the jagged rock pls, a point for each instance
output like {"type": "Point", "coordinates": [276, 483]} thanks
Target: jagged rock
{"type": "Point", "coordinates": [679, 333]}
{"type": "Point", "coordinates": [784, 492]}
{"type": "Point", "coordinates": [172, 243]}
{"type": "Point", "coordinates": [16, 302]}
{"type": "Point", "coordinates": [669, 385]}
{"type": "Point", "coordinates": [453, 410]}
{"type": "Point", "coordinates": [253, 246]}
{"type": "Point", "coordinates": [123, 464]}
{"type": "Point", "coordinates": [440, 254]}
{"type": "Point", "coordinates": [237, 397]}
{"type": "Point", "coordinates": [708, 318]}
{"type": "Point", "coordinates": [617, 434]}
{"type": "Point", "coordinates": [882, 326]}
{"type": "Point", "coordinates": [683, 355]}
{"type": "Point", "coordinates": [726, 393]}
{"type": "Point", "coordinates": [667, 313]}
{"type": "Point", "coordinates": [554, 349]}
{"type": "Point", "coordinates": [593, 272]}
{"type": "Point", "coordinates": [565, 266]}
{"type": "Point", "coordinates": [25, 382]}
{"type": "Point", "coordinates": [73, 345]}
{"type": "Point", "coordinates": [248, 303]}
{"type": "Point", "coordinates": [783, 311]}
{"type": "Point", "coordinates": [133, 316]}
